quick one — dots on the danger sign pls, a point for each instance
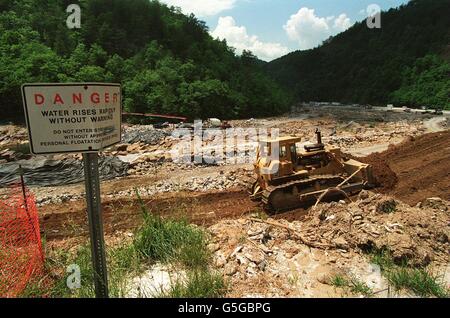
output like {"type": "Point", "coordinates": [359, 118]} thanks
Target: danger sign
{"type": "Point", "coordinates": [65, 118]}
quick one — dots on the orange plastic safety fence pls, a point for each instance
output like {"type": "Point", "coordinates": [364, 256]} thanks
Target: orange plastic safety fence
{"type": "Point", "coordinates": [21, 254]}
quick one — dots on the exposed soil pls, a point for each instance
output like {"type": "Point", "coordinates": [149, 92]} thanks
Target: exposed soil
{"type": "Point", "coordinates": [277, 258]}
{"type": "Point", "coordinates": [418, 235]}
{"type": "Point", "coordinates": [122, 214]}
{"type": "Point", "coordinates": [416, 169]}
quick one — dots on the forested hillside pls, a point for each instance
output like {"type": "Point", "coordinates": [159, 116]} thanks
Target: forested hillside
{"type": "Point", "coordinates": [166, 61]}
{"type": "Point", "coordinates": [405, 62]}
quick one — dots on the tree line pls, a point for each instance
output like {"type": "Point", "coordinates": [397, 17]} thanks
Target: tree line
{"type": "Point", "coordinates": [405, 62]}
{"type": "Point", "coordinates": [166, 61]}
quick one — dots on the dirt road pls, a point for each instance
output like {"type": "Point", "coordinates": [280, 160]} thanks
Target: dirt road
{"type": "Point", "coordinates": [432, 125]}
{"type": "Point", "coordinates": [365, 151]}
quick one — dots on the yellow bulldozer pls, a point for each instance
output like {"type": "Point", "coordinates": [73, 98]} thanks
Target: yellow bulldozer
{"type": "Point", "coordinates": [290, 176]}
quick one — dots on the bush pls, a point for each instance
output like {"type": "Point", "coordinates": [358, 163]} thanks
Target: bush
{"type": "Point", "coordinates": [387, 206]}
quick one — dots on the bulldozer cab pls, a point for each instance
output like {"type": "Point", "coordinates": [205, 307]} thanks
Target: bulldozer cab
{"type": "Point", "coordinates": [292, 156]}
{"type": "Point", "coordinates": [284, 148]}
{"type": "Point", "coordinates": [281, 152]}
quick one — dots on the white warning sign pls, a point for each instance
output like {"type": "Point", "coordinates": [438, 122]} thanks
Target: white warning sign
{"type": "Point", "coordinates": [64, 118]}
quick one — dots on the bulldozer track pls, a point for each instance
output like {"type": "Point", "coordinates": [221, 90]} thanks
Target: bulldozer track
{"type": "Point", "coordinates": [271, 189]}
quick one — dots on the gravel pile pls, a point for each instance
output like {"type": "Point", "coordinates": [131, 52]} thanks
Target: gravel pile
{"type": "Point", "coordinates": [218, 182]}
{"type": "Point", "coordinates": [144, 134]}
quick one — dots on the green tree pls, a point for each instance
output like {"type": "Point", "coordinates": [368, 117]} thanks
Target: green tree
{"type": "Point", "coordinates": [166, 61]}
{"type": "Point", "coordinates": [426, 83]}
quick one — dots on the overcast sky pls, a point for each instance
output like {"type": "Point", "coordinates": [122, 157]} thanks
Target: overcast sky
{"type": "Point", "coordinates": [272, 28]}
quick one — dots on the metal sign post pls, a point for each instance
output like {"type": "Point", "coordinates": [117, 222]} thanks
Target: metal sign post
{"type": "Point", "coordinates": [95, 218]}
{"type": "Point", "coordinates": [78, 117]}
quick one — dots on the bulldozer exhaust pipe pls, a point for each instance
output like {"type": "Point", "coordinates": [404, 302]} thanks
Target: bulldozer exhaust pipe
{"type": "Point", "coordinates": [319, 136]}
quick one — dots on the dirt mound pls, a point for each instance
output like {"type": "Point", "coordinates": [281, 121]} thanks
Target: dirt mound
{"type": "Point", "coordinates": [278, 258]}
{"type": "Point", "coordinates": [416, 169]}
{"type": "Point", "coordinates": [415, 234]}
{"type": "Point", "coordinates": [384, 176]}
{"type": "Point", "coordinates": [273, 258]}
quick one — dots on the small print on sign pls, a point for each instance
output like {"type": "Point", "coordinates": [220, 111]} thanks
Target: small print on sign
{"type": "Point", "coordinates": [65, 118]}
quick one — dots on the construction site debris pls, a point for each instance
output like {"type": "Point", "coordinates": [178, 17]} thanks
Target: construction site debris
{"type": "Point", "coordinates": [219, 182]}
{"type": "Point", "coordinates": [279, 253]}
{"type": "Point", "coordinates": [143, 133]}
{"type": "Point", "coordinates": [54, 172]}
{"type": "Point", "coordinates": [11, 134]}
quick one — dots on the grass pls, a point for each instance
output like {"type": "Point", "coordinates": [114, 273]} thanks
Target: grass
{"type": "Point", "coordinates": [351, 284]}
{"type": "Point", "coordinates": [197, 284]}
{"type": "Point", "coordinates": [383, 259]}
{"type": "Point", "coordinates": [170, 241]}
{"type": "Point", "coordinates": [166, 241]}
{"type": "Point", "coordinates": [358, 287]}
{"type": "Point", "coordinates": [339, 281]}
{"type": "Point", "coordinates": [53, 284]}
{"type": "Point", "coordinates": [122, 264]}
{"type": "Point", "coordinates": [173, 242]}
{"type": "Point", "coordinates": [419, 281]}
{"type": "Point", "coordinates": [180, 243]}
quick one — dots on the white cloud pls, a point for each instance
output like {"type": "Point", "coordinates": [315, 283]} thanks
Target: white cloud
{"type": "Point", "coordinates": [342, 23]}
{"type": "Point", "coordinates": [309, 30]}
{"type": "Point", "coordinates": [237, 37]}
{"type": "Point", "coordinates": [201, 8]}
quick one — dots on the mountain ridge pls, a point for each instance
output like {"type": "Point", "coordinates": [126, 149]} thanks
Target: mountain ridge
{"type": "Point", "coordinates": [368, 65]}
